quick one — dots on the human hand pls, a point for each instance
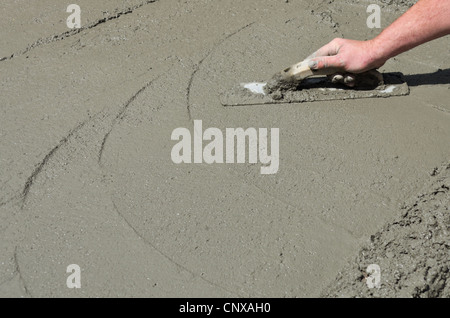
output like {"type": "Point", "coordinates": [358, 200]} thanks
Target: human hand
{"type": "Point", "coordinates": [345, 58]}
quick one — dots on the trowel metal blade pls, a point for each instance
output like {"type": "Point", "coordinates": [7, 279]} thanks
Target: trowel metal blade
{"type": "Point", "coordinates": [313, 89]}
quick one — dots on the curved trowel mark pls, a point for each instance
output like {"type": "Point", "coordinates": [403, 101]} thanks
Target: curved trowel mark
{"type": "Point", "coordinates": [43, 163]}
{"type": "Point", "coordinates": [180, 266]}
{"type": "Point", "coordinates": [120, 115]}
{"type": "Point", "coordinates": [199, 64]}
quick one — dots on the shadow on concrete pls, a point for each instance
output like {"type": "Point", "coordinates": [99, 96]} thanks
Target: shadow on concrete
{"type": "Point", "coordinates": [436, 78]}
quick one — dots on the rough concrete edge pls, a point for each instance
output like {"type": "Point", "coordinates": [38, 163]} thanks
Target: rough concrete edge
{"type": "Point", "coordinates": [350, 281]}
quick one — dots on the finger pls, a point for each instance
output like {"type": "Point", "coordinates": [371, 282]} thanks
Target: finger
{"type": "Point", "coordinates": [347, 79]}
{"type": "Point", "coordinates": [327, 50]}
{"type": "Point", "coordinates": [350, 80]}
{"type": "Point", "coordinates": [331, 64]}
{"type": "Point", "coordinates": [337, 78]}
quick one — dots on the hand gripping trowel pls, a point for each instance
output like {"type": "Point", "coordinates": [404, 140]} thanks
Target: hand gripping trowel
{"type": "Point", "coordinates": [299, 83]}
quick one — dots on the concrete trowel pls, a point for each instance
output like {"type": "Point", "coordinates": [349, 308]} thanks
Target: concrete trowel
{"type": "Point", "coordinates": [298, 83]}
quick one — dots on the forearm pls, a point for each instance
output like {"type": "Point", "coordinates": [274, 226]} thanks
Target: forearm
{"type": "Point", "coordinates": [425, 21]}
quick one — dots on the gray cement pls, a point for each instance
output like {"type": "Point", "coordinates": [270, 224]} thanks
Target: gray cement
{"type": "Point", "coordinates": [86, 175]}
{"type": "Point", "coordinates": [412, 251]}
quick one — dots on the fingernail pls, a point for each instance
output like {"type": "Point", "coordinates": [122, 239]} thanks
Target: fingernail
{"type": "Point", "coordinates": [337, 79]}
{"type": "Point", "coordinates": [349, 79]}
{"type": "Point", "coordinates": [312, 65]}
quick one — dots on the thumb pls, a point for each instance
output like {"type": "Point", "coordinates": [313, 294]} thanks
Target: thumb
{"type": "Point", "coordinates": [327, 64]}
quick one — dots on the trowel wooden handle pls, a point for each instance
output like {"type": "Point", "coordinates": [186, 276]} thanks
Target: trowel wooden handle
{"type": "Point", "coordinates": [301, 71]}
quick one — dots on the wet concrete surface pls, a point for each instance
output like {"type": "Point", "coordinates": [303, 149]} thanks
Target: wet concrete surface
{"type": "Point", "coordinates": [86, 175]}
